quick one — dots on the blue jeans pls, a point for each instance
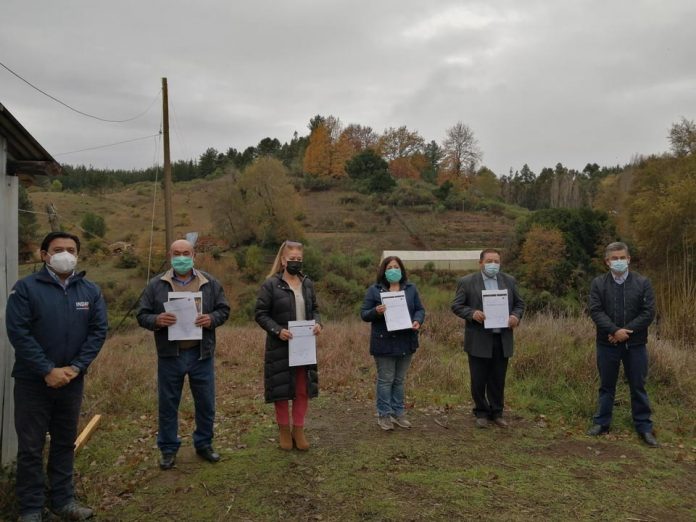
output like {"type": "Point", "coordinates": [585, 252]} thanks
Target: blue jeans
{"type": "Point", "coordinates": [170, 382]}
{"type": "Point", "coordinates": [635, 362]}
{"type": "Point", "coordinates": [40, 410]}
{"type": "Point", "coordinates": [391, 372]}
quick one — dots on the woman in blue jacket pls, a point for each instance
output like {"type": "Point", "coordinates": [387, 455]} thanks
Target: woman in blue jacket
{"type": "Point", "coordinates": [392, 350]}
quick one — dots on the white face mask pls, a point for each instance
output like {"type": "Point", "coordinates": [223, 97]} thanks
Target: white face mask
{"type": "Point", "coordinates": [63, 262]}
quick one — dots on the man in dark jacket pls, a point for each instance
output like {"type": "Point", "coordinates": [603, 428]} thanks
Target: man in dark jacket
{"type": "Point", "coordinates": [176, 359]}
{"type": "Point", "coordinates": [488, 348]}
{"type": "Point", "coordinates": [56, 321]}
{"type": "Point", "coordinates": [622, 306]}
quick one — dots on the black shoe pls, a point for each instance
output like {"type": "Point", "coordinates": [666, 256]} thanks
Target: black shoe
{"type": "Point", "coordinates": [167, 460]}
{"type": "Point", "coordinates": [481, 422]}
{"type": "Point", "coordinates": [500, 422]}
{"type": "Point", "coordinates": [649, 439]}
{"type": "Point", "coordinates": [208, 454]}
{"type": "Point", "coordinates": [73, 511]}
{"type": "Point", "coordinates": [597, 429]}
{"type": "Point", "coordinates": [35, 516]}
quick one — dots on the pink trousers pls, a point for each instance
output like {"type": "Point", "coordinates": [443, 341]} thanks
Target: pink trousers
{"type": "Point", "coordinates": [299, 404]}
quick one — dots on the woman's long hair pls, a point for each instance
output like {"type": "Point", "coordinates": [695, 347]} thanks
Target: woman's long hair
{"type": "Point", "coordinates": [278, 261]}
{"type": "Point", "coordinates": [381, 278]}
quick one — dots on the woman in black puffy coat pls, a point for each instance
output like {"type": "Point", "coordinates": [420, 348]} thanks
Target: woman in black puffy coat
{"type": "Point", "coordinates": [287, 295]}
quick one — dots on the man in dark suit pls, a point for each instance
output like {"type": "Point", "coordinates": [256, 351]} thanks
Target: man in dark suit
{"type": "Point", "coordinates": [488, 348]}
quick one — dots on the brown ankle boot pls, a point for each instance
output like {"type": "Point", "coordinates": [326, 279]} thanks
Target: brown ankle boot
{"type": "Point", "coordinates": [285, 437]}
{"type": "Point", "coordinates": [298, 435]}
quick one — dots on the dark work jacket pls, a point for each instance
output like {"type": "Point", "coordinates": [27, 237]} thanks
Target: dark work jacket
{"type": "Point", "coordinates": [639, 307]}
{"type": "Point", "coordinates": [51, 327]}
{"type": "Point", "coordinates": [275, 306]}
{"type": "Point", "coordinates": [478, 341]}
{"type": "Point", "coordinates": [384, 343]}
{"type": "Point", "coordinates": [152, 304]}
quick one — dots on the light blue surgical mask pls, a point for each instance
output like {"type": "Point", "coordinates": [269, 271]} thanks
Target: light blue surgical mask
{"type": "Point", "coordinates": [619, 265]}
{"type": "Point", "coordinates": [491, 269]}
{"type": "Point", "coordinates": [393, 275]}
{"type": "Point", "coordinates": [182, 264]}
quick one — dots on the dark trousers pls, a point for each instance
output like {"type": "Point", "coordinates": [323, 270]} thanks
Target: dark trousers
{"type": "Point", "coordinates": [40, 410]}
{"type": "Point", "coordinates": [635, 363]}
{"type": "Point", "coordinates": [488, 381]}
{"type": "Point", "coordinates": [170, 383]}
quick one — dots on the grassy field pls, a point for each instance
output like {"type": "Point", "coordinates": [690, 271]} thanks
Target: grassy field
{"type": "Point", "coordinates": [542, 467]}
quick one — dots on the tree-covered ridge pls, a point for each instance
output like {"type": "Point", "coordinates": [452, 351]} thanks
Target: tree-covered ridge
{"type": "Point", "coordinates": [563, 217]}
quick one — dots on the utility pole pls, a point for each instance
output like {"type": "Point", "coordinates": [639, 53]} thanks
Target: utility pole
{"type": "Point", "coordinates": [168, 217]}
{"type": "Point", "coordinates": [53, 218]}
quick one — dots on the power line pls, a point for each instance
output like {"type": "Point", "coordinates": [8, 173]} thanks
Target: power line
{"type": "Point", "coordinates": [77, 110]}
{"type": "Point", "coordinates": [108, 145]}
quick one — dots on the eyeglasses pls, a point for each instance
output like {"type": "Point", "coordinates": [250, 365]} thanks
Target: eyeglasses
{"type": "Point", "coordinates": [289, 243]}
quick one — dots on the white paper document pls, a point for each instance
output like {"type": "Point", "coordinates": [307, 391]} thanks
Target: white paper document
{"type": "Point", "coordinates": [302, 348]}
{"type": "Point", "coordinates": [185, 310]}
{"type": "Point", "coordinates": [197, 297]}
{"type": "Point", "coordinates": [495, 308]}
{"type": "Point", "coordinates": [396, 315]}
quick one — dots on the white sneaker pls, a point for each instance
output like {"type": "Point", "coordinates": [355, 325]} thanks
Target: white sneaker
{"type": "Point", "coordinates": [385, 422]}
{"type": "Point", "coordinates": [401, 421]}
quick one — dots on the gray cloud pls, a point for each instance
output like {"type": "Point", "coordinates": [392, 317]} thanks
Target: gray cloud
{"type": "Point", "coordinates": [539, 82]}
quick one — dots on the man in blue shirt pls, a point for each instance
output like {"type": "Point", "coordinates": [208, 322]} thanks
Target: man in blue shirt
{"type": "Point", "coordinates": [56, 321]}
{"type": "Point", "coordinates": [622, 306]}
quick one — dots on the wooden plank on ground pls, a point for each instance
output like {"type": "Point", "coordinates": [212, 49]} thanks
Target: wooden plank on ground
{"type": "Point", "coordinates": [87, 432]}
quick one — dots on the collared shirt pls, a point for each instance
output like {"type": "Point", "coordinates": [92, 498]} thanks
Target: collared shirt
{"type": "Point", "coordinates": [57, 278]}
{"type": "Point", "coordinates": [621, 278]}
{"type": "Point", "coordinates": [491, 283]}
{"type": "Point", "coordinates": [184, 282]}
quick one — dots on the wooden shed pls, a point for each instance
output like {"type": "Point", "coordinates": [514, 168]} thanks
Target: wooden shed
{"type": "Point", "coordinates": [21, 159]}
{"type": "Point", "coordinates": [454, 260]}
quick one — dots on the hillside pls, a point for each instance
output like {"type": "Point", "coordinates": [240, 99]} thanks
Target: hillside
{"type": "Point", "coordinates": [333, 219]}
{"type": "Point", "coordinates": [346, 231]}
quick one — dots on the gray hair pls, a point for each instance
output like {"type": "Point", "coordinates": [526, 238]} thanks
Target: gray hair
{"type": "Point", "coordinates": [616, 246]}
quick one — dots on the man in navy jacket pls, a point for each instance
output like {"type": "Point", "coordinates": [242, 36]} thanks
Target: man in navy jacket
{"type": "Point", "coordinates": [56, 321]}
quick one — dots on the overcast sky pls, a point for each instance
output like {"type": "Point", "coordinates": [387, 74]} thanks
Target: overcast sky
{"type": "Point", "coordinates": [539, 82]}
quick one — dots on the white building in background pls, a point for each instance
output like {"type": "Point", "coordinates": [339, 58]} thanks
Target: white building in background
{"type": "Point", "coordinates": [454, 260]}
{"type": "Point", "coordinates": [21, 159]}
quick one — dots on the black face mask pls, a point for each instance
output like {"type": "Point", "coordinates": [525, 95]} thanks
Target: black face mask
{"type": "Point", "coordinates": [293, 267]}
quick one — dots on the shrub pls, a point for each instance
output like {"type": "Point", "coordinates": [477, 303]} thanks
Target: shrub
{"type": "Point", "coordinates": [127, 260]}
{"type": "Point", "coordinates": [312, 263]}
{"type": "Point", "coordinates": [254, 265]}
{"type": "Point", "coordinates": [410, 194]}
{"type": "Point", "coordinates": [93, 225]}
{"type": "Point", "coordinates": [316, 183]}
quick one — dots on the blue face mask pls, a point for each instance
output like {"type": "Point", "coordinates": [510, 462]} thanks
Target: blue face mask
{"type": "Point", "coordinates": [491, 269]}
{"type": "Point", "coordinates": [619, 265]}
{"type": "Point", "coordinates": [182, 264]}
{"type": "Point", "coordinates": [393, 275]}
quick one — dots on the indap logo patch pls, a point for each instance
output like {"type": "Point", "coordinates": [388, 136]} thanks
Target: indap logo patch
{"type": "Point", "coordinates": [81, 305]}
